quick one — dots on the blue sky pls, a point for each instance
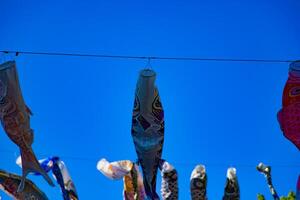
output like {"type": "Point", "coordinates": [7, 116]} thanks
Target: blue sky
{"type": "Point", "coordinates": [218, 114]}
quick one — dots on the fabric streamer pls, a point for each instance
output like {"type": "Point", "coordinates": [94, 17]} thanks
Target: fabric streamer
{"type": "Point", "coordinates": [133, 181]}
{"type": "Point", "coordinates": [266, 170]}
{"type": "Point", "coordinates": [232, 188]}
{"type": "Point", "coordinates": [289, 115]}
{"type": "Point", "coordinates": [148, 129]}
{"type": "Point", "coordinates": [9, 184]}
{"type": "Point", "coordinates": [169, 184]}
{"type": "Point", "coordinates": [61, 175]}
{"type": "Point", "coordinates": [198, 183]}
{"type": "Point", "coordinates": [15, 119]}
{"type": "Point", "coordinates": [114, 170]}
{"type": "Point", "coordinates": [63, 178]}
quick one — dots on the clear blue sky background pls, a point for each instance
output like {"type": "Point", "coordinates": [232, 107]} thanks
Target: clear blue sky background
{"type": "Point", "coordinates": [218, 114]}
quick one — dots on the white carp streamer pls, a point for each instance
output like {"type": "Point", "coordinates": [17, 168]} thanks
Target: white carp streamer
{"type": "Point", "coordinates": [232, 189]}
{"type": "Point", "coordinates": [169, 184]}
{"type": "Point", "coordinates": [133, 181]}
{"type": "Point", "coordinates": [198, 183]}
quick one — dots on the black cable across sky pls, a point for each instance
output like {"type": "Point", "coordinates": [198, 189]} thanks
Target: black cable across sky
{"type": "Point", "coordinates": [146, 57]}
{"type": "Point", "coordinates": [95, 159]}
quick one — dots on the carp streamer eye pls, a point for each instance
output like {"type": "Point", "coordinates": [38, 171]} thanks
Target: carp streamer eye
{"type": "Point", "coordinates": [157, 109]}
{"type": "Point", "coordinates": [3, 90]}
{"type": "Point", "coordinates": [295, 91]}
{"type": "Point", "coordinates": [157, 104]}
{"type": "Point", "coordinates": [136, 105]}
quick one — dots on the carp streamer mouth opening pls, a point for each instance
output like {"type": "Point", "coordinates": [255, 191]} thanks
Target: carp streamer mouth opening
{"type": "Point", "coordinates": [147, 73]}
{"type": "Point", "coordinates": [295, 66]}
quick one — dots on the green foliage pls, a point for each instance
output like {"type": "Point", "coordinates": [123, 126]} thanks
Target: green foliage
{"type": "Point", "coordinates": [291, 196]}
{"type": "Point", "coordinates": [260, 197]}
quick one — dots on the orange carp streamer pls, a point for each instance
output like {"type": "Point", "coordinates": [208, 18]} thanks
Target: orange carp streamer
{"type": "Point", "coordinates": [15, 119]}
{"type": "Point", "coordinates": [10, 182]}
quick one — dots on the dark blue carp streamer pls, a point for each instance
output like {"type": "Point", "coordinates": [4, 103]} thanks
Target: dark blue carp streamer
{"type": "Point", "coordinates": [232, 188]}
{"type": "Point", "coordinates": [266, 171]}
{"type": "Point", "coordinates": [198, 183]}
{"type": "Point", "coordinates": [148, 129]}
{"type": "Point", "coordinates": [64, 180]}
{"type": "Point", "coordinates": [9, 184]}
{"type": "Point", "coordinates": [61, 175]}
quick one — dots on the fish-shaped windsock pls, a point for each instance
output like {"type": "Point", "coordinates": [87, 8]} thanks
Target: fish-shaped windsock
{"type": "Point", "coordinates": [289, 115]}
{"type": "Point", "coordinates": [9, 184]}
{"type": "Point", "coordinates": [63, 178]}
{"type": "Point", "coordinates": [114, 170]}
{"type": "Point", "coordinates": [148, 129]}
{"type": "Point", "coordinates": [169, 182]}
{"type": "Point", "coordinates": [60, 173]}
{"type": "Point", "coordinates": [198, 183]}
{"type": "Point", "coordinates": [133, 181]}
{"type": "Point", "coordinates": [232, 188]}
{"type": "Point", "coordinates": [15, 119]}
{"type": "Point", "coordinates": [266, 170]}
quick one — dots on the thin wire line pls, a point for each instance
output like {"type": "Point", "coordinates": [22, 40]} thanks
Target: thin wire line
{"type": "Point", "coordinates": [148, 57]}
{"type": "Point", "coordinates": [239, 165]}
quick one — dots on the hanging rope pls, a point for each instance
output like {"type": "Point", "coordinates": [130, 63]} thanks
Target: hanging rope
{"type": "Point", "coordinates": [95, 158]}
{"type": "Point", "coordinates": [147, 57]}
